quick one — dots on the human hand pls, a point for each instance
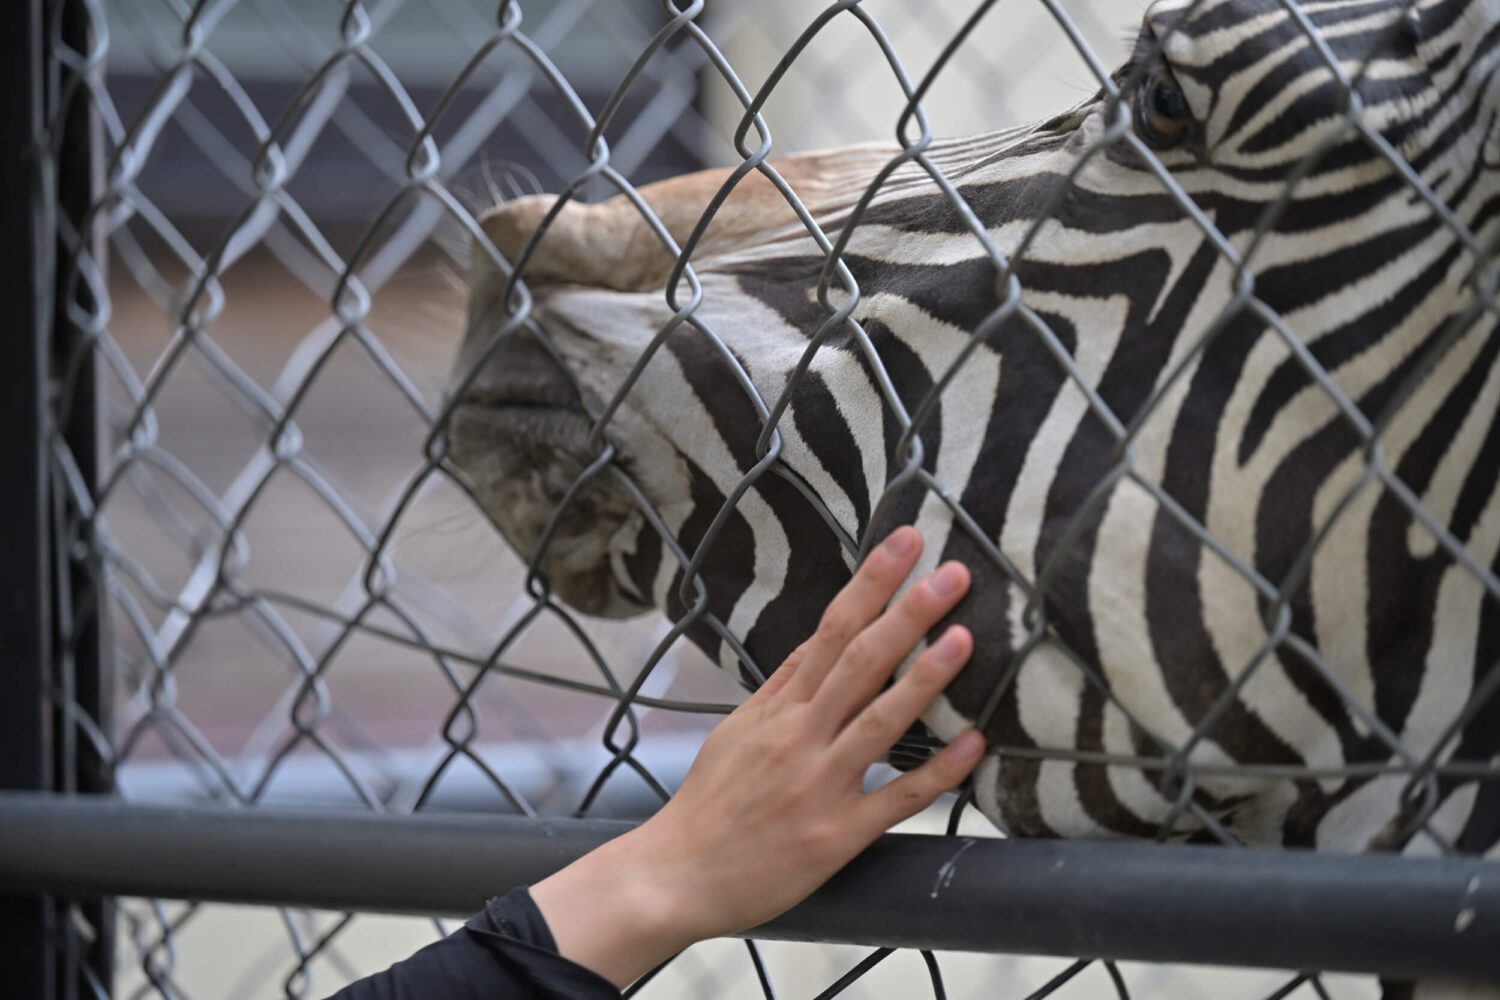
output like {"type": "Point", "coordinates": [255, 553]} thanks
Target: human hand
{"type": "Point", "coordinates": [774, 804]}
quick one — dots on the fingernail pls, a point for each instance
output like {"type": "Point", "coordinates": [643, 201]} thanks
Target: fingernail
{"type": "Point", "coordinates": [901, 543]}
{"type": "Point", "coordinates": [948, 580]}
{"type": "Point", "coordinates": [967, 748]}
{"type": "Point", "coordinates": [950, 648]}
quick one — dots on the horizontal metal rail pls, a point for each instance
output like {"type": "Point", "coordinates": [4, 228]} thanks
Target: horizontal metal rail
{"type": "Point", "coordinates": [552, 777]}
{"type": "Point", "coordinates": [1282, 909]}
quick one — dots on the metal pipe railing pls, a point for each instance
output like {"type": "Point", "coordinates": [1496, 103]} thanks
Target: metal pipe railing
{"type": "Point", "coordinates": [1395, 916]}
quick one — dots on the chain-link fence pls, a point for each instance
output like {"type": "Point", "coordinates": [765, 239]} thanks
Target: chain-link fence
{"type": "Point", "coordinates": [269, 584]}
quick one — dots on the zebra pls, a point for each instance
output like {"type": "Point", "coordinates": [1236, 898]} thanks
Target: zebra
{"type": "Point", "coordinates": [1198, 377]}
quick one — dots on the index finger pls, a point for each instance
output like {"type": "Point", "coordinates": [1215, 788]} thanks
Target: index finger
{"type": "Point", "coordinates": [860, 602]}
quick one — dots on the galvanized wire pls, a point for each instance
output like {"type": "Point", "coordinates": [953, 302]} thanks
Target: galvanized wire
{"type": "Point", "coordinates": [505, 71]}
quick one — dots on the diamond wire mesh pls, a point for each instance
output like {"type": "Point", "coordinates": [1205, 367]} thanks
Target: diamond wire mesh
{"type": "Point", "coordinates": [173, 528]}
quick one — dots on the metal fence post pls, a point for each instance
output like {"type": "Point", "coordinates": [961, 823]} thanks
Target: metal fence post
{"type": "Point", "coordinates": [52, 662]}
{"type": "Point", "coordinates": [81, 678]}
{"type": "Point", "coordinates": [25, 625]}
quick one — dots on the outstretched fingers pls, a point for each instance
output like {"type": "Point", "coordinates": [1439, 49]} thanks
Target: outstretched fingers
{"type": "Point", "coordinates": [871, 658]}
{"type": "Point", "coordinates": [860, 602]}
{"type": "Point", "coordinates": [841, 670]}
{"type": "Point", "coordinates": [875, 727]}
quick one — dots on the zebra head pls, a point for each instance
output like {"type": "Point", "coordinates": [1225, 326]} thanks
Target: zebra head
{"type": "Point", "coordinates": [1169, 371]}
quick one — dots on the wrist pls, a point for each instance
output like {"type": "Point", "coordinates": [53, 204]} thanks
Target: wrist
{"type": "Point", "coordinates": [650, 874]}
{"type": "Point", "coordinates": [618, 910]}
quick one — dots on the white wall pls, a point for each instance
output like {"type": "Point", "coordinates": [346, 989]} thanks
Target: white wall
{"type": "Point", "coordinates": [1016, 66]}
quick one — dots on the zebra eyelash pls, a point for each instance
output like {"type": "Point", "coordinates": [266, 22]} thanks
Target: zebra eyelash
{"type": "Point", "coordinates": [1145, 55]}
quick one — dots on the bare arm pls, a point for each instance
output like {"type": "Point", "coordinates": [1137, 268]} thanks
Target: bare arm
{"type": "Point", "coordinates": [774, 805]}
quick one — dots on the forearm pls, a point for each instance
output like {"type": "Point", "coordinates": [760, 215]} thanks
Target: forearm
{"type": "Point", "coordinates": [771, 808]}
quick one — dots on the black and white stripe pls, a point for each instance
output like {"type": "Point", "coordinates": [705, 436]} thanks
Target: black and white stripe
{"type": "Point", "coordinates": [1149, 630]}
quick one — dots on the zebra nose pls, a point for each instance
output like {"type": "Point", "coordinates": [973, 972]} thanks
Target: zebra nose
{"type": "Point", "coordinates": [510, 227]}
{"type": "Point", "coordinates": [607, 245]}
{"type": "Point", "coordinates": [579, 244]}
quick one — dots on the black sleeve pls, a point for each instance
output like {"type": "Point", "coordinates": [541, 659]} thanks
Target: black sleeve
{"type": "Point", "coordinates": [505, 952]}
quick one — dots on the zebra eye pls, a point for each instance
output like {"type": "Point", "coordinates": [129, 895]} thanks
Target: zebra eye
{"type": "Point", "coordinates": [1162, 115]}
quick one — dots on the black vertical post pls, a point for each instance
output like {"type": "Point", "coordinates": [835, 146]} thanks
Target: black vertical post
{"type": "Point", "coordinates": [25, 583]}
{"type": "Point", "coordinates": [79, 663]}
